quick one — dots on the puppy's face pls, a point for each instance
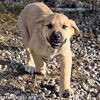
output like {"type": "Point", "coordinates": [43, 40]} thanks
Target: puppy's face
{"type": "Point", "coordinates": [57, 29]}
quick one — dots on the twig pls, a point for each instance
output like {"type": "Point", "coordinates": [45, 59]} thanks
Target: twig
{"type": "Point", "coordinates": [75, 9]}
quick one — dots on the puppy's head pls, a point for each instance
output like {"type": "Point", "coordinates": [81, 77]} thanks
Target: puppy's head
{"type": "Point", "coordinates": [57, 29]}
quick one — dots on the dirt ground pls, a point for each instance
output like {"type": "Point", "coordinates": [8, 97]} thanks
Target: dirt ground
{"type": "Point", "coordinates": [16, 84]}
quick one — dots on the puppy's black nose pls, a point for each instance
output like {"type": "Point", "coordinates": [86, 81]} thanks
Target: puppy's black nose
{"type": "Point", "coordinates": [56, 36]}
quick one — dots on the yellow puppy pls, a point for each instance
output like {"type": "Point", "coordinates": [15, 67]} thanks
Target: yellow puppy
{"type": "Point", "coordinates": [47, 34]}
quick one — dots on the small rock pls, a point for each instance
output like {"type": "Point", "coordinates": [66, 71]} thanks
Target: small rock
{"type": "Point", "coordinates": [49, 98]}
{"type": "Point", "coordinates": [1, 20]}
{"type": "Point", "coordinates": [76, 97]}
{"type": "Point", "coordinates": [23, 88]}
{"type": "Point", "coordinates": [12, 96]}
{"type": "Point", "coordinates": [29, 69]}
{"type": "Point", "coordinates": [17, 92]}
{"type": "Point", "coordinates": [7, 94]}
{"type": "Point", "coordinates": [53, 96]}
{"type": "Point", "coordinates": [52, 81]}
{"type": "Point", "coordinates": [91, 82]}
{"type": "Point", "coordinates": [7, 32]}
{"type": "Point", "coordinates": [94, 98]}
{"type": "Point", "coordinates": [48, 72]}
{"type": "Point", "coordinates": [1, 68]}
{"type": "Point", "coordinates": [47, 92]}
{"type": "Point", "coordinates": [20, 78]}
{"type": "Point", "coordinates": [57, 88]}
{"type": "Point", "coordinates": [45, 89]}
{"type": "Point", "coordinates": [85, 87]}
{"type": "Point", "coordinates": [4, 80]}
{"type": "Point", "coordinates": [42, 84]}
{"type": "Point", "coordinates": [89, 97]}
{"type": "Point", "coordinates": [39, 91]}
{"type": "Point", "coordinates": [42, 95]}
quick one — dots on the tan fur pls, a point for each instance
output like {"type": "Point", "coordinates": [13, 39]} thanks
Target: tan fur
{"type": "Point", "coordinates": [32, 23]}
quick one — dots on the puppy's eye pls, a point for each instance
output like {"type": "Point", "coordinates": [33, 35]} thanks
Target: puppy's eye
{"type": "Point", "coordinates": [64, 26]}
{"type": "Point", "coordinates": [49, 26]}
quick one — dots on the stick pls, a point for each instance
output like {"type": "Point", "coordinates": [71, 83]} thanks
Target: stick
{"type": "Point", "coordinates": [75, 9]}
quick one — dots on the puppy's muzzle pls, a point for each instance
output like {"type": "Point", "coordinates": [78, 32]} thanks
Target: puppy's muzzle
{"type": "Point", "coordinates": [56, 40]}
{"type": "Point", "coordinates": [56, 36]}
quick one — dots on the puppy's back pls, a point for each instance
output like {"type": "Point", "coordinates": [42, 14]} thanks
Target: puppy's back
{"type": "Point", "coordinates": [35, 10]}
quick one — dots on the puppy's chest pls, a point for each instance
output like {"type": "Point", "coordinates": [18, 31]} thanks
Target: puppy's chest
{"type": "Point", "coordinates": [49, 54]}
{"type": "Point", "coordinates": [45, 51]}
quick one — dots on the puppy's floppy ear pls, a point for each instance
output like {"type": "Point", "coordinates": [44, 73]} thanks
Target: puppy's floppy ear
{"type": "Point", "coordinates": [73, 25]}
{"type": "Point", "coordinates": [41, 19]}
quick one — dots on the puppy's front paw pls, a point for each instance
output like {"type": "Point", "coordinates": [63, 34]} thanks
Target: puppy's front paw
{"type": "Point", "coordinates": [68, 94]}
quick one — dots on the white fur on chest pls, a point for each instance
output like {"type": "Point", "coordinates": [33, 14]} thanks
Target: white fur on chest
{"type": "Point", "coordinates": [53, 53]}
{"type": "Point", "coordinates": [48, 53]}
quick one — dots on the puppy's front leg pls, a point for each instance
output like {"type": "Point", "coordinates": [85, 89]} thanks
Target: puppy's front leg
{"type": "Point", "coordinates": [66, 63]}
{"type": "Point", "coordinates": [31, 65]}
{"type": "Point", "coordinates": [40, 65]}
{"type": "Point", "coordinates": [29, 58]}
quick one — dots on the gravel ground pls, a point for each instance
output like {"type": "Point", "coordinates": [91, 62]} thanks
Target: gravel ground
{"type": "Point", "coordinates": [16, 84]}
{"type": "Point", "coordinates": [73, 3]}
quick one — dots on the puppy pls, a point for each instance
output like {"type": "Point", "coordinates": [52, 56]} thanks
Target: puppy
{"type": "Point", "coordinates": [45, 35]}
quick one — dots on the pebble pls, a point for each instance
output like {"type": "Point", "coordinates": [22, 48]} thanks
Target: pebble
{"type": "Point", "coordinates": [51, 81]}
{"type": "Point", "coordinates": [91, 82]}
{"type": "Point", "coordinates": [7, 94]}
{"type": "Point", "coordinates": [0, 68]}
{"type": "Point", "coordinates": [49, 98]}
{"type": "Point", "coordinates": [53, 96]}
{"type": "Point", "coordinates": [17, 92]}
{"type": "Point", "coordinates": [94, 98]}
{"type": "Point", "coordinates": [29, 69]}
{"type": "Point", "coordinates": [20, 78]}
{"type": "Point", "coordinates": [85, 87]}
{"type": "Point", "coordinates": [47, 92]}
{"type": "Point", "coordinates": [42, 95]}
{"type": "Point", "coordinates": [12, 96]}
{"type": "Point", "coordinates": [57, 88]}
{"type": "Point", "coordinates": [22, 88]}
{"type": "Point", "coordinates": [7, 32]}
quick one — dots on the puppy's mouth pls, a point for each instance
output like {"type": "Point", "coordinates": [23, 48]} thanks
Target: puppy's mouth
{"type": "Point", "coordinates": [56, 44]}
